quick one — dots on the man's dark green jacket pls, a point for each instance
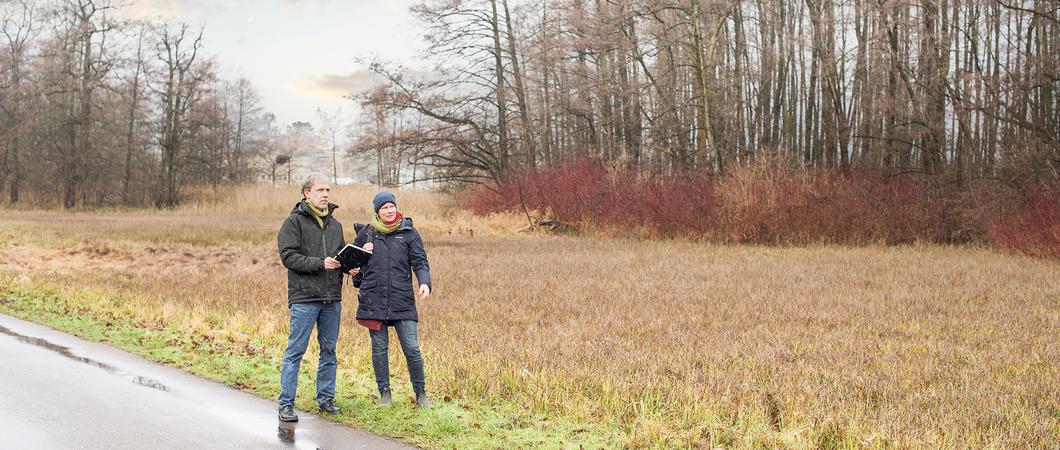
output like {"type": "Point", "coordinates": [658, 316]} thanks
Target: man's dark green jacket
{"type": "Point", "coordinates": [303, 247]}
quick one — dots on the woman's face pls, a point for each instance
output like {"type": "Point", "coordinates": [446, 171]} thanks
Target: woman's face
{"type": "Point", "coordinates": [388, 212]}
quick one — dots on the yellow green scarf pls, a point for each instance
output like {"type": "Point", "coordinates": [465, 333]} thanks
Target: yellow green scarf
{"type": "Point", "coordinates": [382, 227]}
{"type": "Point", "coordinates": [318, 214]}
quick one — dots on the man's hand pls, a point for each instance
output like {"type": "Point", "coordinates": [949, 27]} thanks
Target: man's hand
{"type": "Point", "coordinates": [368, 247]}
{"type": "Point", "coordinates": [425, 291]}
{"type": "Point", "coordinates": [331, 263]}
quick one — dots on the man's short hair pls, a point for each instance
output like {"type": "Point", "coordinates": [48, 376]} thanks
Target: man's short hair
{"type": "Point", "coordinates": [313, 179]}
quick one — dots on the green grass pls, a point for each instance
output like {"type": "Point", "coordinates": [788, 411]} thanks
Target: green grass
{"type": "Point", "coordinates": [252, 367]}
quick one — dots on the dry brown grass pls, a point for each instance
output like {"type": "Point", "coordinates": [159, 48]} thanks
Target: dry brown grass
{"type": "Point", "coordinates": [667, 343]}
{"type": "Point", "coordinates": [431, 211]}
{"type": "Point", "coordinates": [263, 198]}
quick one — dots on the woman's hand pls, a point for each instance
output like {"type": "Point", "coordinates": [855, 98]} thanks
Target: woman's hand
{"type": "Point", "coordinates": [368, 247]}
{"type": "Point", "coordinates": [425, 291]}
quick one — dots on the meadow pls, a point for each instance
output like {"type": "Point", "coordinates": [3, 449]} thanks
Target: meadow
{"type": "Point", "coordinates": [537, 340]}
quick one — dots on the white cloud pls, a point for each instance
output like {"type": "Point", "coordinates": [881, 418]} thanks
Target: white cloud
{"type": "Point", "coordinates": [354, 82]}
{"type": "Point", "coordinates": [339, 85]}
{"type": "Point", "coordinates": [141, 9]}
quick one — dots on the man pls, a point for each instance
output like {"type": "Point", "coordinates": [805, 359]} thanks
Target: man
{"type": "Point", "coordinates": [308, 240]}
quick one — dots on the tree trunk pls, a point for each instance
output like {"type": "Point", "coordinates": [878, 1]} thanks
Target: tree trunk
{"type": "Point", "coordinates": [131, 124]}
{"type": "Point", "coordinates": [529, 149]}
{"type": "Point", "coordinates": [500, 88]}
{"type": "Point", "coordinates": [705, 132]}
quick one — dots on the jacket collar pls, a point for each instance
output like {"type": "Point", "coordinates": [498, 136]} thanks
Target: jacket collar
{"type": "Point", "coordinates": [406, 224]}
{"type": "Point", "coordinates": [300, 208]}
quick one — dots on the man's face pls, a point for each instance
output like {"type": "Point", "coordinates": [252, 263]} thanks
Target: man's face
{"type": "Point", "coordinates": [318, 195]}
{"type": "Point", "coordinates": [388, 212]}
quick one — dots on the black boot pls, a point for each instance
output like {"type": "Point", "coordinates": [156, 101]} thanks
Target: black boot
{"type": "Point", "coordinates": [328, 406]}
{"type": "Point", "coordinates": [384, 397]}
{"type": "Point", "coordinates": [287, 414]}
{"type": "Point", "coordinates": [422, 401]}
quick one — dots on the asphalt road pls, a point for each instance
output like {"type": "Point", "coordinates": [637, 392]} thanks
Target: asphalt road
{"type": "Point", "coordinates": [60, 392]}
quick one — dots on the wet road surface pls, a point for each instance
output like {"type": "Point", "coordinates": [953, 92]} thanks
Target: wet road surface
{"type": "Point", "coordinates": [58, 391]}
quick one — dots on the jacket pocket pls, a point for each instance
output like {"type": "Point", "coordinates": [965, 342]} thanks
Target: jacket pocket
{"type": "Point", "coordinates": [367, 291]}
{"type": "Point", "coordinates": [402, 285]}
{"type": "Point", "coordinates": [315, 284]}
{"type": "Point", "coordinates": [364, 298]}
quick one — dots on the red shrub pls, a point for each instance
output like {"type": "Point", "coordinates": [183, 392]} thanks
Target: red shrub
{"type": "Point", "coordinates": [1033, 229]}
{"type": "Point", "coordinates": [587, 194]}
{"type": "Point", "coordinates": [764, 203]}
{"type": "Point", "coordinates": [768, 202]}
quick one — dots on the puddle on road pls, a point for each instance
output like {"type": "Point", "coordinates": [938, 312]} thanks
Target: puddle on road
{"type": "Point", "coordinates": [285, 432]}
{"type": "Point", "coordinates": [65, 351]}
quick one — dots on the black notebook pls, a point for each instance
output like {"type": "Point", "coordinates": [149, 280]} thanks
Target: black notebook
{"type": "Point", "coordinates": [352, 257]}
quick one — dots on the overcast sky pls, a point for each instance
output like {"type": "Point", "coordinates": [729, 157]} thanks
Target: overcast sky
{"type": "Point", "coordinates": [299, 54]}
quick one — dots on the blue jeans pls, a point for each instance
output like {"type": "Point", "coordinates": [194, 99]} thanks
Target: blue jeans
{"type": "Point", "coordinates": [410, 344]}
{"type": "Point", "coordinates": [303, 316]}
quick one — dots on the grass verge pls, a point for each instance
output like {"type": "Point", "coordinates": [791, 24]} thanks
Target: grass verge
{"type": "Point", "coordinates": [242, 364]}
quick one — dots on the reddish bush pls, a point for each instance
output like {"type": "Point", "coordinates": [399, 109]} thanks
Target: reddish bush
{"type": "Point", "coordinates": [770, 203]}
{"type": "Point", "coordinates": [584, 193]}
{"type": "Point", "coordinates": [1032, 229]}
{"type": "Point", "coordinates": [765, 203]}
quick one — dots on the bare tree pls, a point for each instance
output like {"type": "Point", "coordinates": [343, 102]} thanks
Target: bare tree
{"type": "Point", "coordinates": [135, 93]}
{"type": "Point", "coordinates": [82, 60]}
{"type": "Point", "coordinates": [19, 28]}
{"type": "Point", "coordinates": [330, 125]}
{"type": "Point", "coordinates": [245, 102]}
{"type": "Point", "coordinates": [178, 92]}
{"type": "Point", "coordinates": [300, 140]}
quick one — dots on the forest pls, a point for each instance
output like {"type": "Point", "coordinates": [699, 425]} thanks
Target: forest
{"type": "Point", "coordinates": [934, 118]}
{"type": "Point", "coordinates": [953, 100]}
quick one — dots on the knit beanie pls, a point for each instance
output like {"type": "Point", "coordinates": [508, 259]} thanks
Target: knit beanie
{"type": "Point", "coordinates": [381, 198]}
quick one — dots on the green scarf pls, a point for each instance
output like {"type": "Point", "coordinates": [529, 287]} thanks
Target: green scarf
{"type": "Point", "coordinates": [382, 227]}
{"type": "Point", "coordinates": [318, 214]}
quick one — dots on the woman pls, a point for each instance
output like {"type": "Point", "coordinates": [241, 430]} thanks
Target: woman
{"type": "Point", "coordinates": [387, 298]}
